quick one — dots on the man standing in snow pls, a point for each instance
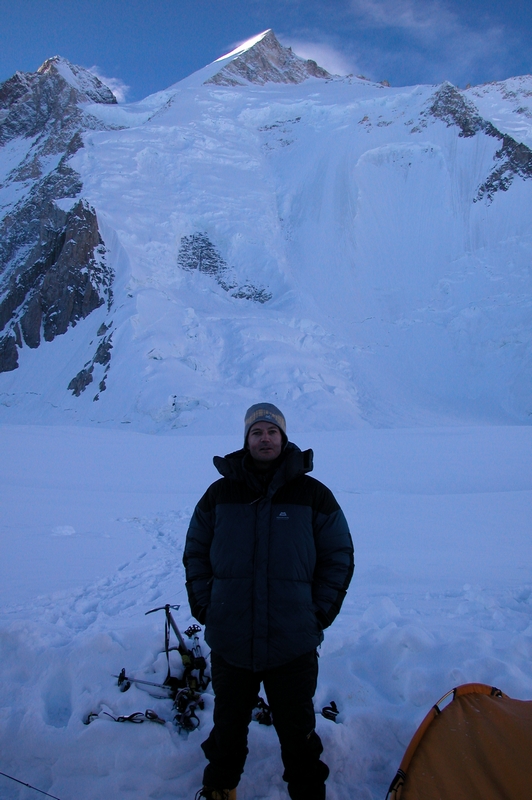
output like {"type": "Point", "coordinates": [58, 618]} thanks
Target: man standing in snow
{"type": "Point", "coordinates": [268, 560]}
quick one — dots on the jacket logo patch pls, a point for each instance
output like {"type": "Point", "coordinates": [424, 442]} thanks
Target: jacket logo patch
{"type": "Point", "coordinates": [282, 515]}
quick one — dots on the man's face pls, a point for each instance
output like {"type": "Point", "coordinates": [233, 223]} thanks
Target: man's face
{"type": "Point", "coordinates": [264, 441]}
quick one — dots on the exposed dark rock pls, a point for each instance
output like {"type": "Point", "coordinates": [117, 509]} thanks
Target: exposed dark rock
{"type": "Point", "coordinates": [30, 322]}
{"type": "Point", "coordinates": [102, 356]}
{"type": "Point", "coordinates": [103, 329]}
{"type": "Point", "coordinates": [89, 86]}
{"type": "Point", "coordinates": [280, 124]}
{"type": "Point", "coordinates": [103, 353]}
{"type": "Point", "coordinates": [64, 278]}
{"type": "Point", "coordinates": [197, 252]}
{"type": "Point", "coordinates": [512, 158]}
{"type": "Point", "coordinates": [31, 233]}
{"type": "Point", "coordinates": [52, 263]}
{"type": "Point", "coordinates": [79, 383]}
{"type": "Point", "coordinates": [18, 334]}
{"type": "Point", "coordinates": [8, 353]}
{"type": "Point", "coordinates": [46, 105]}
{"type": "Point", "coordinates": [451, 106]}
{"type": "Point", "coordinates": [267, 62]}
{"type": "Point", "coordinates": [79, 279]}
{"type": "Point", "coordinates": [250, 292]}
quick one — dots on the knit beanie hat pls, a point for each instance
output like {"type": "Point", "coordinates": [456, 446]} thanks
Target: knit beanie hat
{"type": "Point", "coordinates": [264, 412]}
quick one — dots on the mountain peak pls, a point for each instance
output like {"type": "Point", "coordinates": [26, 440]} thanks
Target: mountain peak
{"type": "Point", "coordinates": [263, 59]}
{"type": "Point", "coordinates": [90, 88]}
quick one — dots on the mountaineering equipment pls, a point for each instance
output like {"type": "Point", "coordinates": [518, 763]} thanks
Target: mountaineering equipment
{"type": "Point", "coordinates": [192, 660]}
{"type": "Point", "coordinates": [215, 794]}
{"type": "Point", "coordinates": [124, 682]}
{"type": "Point", "coordinates": [137, 717]}
{"type": "Point", "coordinates": [330, 712]}
{"type": "Point", "coordinates": [477, 747]}
{"type": "Point", "coordinates": [29, 786]}
{"type": "Point", "coordinates": [261, 713]}
{"type": "Point", "coordinates": [184, 691]}
{"type": "Point", "coordinates": [185, 704]}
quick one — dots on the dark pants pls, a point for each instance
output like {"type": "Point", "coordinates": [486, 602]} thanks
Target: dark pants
{"type": "Point", "coordinates": [289, 691]}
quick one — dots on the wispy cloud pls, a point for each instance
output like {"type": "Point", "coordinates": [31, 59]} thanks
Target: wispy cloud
{"type": "Point", "coordinates": [435, 36]}
{"type": "Point", "coordinates": [116, 85]}
{"type": "Point", "coordinates": [420, 17]}
{"type": "Point", "coordinates": [327, 56]}
{"type": "Point", "coordinates": [403, 41]}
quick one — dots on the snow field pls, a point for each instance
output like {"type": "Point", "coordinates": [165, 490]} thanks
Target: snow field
{"type": "Point", "coordinates": [92, 533]}
{"type": "Point", "coordinates": [396, 300]}
{"type": "Point", "coordinates": [353, 207]}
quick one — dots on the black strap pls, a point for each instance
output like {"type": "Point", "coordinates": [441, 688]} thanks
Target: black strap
{"type": "Point", "coordinates": [137, 717]}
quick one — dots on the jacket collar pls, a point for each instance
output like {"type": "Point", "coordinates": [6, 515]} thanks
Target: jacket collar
{"type": "Point", "coordinates": [293, 462]}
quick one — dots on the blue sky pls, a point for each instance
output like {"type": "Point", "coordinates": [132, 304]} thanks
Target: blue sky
{"type": "Point", "coordinates": [143, 47]}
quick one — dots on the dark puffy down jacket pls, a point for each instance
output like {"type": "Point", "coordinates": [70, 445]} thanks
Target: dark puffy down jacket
{"type": "Point", "coordinates": [267, 566]}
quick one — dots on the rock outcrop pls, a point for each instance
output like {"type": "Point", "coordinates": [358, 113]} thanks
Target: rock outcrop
{"type": "Point", "coordinates": [64, 278]}
{"type": "Point", "coordinates": [52, 262]}
{"type": "Point", "coordinates": [198, 253]}
{"type": "Point", "coordinates": [46, 106]}
{"type": "Point", "coordinates": [85, 376]}
{"type": "Point", "coordinates": [511, 159]}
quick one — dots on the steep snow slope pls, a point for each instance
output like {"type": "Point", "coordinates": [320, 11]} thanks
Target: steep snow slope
{"type": "Point", "coordinates": [357, 253]}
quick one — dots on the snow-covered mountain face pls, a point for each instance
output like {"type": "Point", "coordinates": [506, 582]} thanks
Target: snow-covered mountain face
{"type": "Point", "coordinates": [357, 254]}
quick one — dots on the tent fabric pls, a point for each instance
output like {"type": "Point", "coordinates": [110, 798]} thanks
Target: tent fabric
{"type": "Point", "coordinates": [479, 747]}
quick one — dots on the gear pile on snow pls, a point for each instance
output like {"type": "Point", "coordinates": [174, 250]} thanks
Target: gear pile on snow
{"type": "Point", "coordinates": [185, 690]}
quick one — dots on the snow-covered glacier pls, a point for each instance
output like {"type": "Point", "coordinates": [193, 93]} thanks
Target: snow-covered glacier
{"type": "Point", "coordinates": [358, 253]}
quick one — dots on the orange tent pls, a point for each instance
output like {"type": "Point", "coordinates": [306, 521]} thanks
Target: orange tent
{"type": "Point", "coordinates": [478, 747]}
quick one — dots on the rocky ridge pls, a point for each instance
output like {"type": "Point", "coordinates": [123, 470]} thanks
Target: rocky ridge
{"type": "Point", "coordinates": [267, 62]}
{"type": "Point", "coordinates": [52, 262]}
{"type": "Point", "coordinates": [512, 158]}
